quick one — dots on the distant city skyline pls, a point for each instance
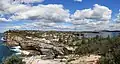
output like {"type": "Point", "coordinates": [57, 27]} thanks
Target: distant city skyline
{"type": "Point", "coordinates": [60, 15]}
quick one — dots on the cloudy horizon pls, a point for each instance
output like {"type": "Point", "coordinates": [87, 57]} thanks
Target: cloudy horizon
{"type": "Point", "coordinates": [72, 15]}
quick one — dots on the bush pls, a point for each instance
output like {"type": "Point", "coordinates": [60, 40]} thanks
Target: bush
{"type": "Point", "coordinates": [13, 60]}
{"type": "Point", "coordinates": [108, 48]}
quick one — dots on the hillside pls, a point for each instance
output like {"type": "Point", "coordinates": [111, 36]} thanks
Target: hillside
{"type": "Point", "coordinates": [64, 47]}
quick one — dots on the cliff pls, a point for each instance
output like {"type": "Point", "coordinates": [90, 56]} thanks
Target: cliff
{"type": "Point", "coordinates": [57, 46]}
{"type": "Point", "coordinates": [50, 43]}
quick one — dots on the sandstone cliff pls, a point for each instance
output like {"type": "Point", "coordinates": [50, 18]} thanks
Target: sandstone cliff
{"type": "Point", "coordinates": [44, 42]}
{"type": "Point", "coordinates": [55, 45]}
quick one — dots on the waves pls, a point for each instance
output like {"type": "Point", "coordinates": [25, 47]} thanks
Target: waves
{"type": "Point", "coordinates": [16, 49]}
{"type": "Point", "coordinates": [3, 39]}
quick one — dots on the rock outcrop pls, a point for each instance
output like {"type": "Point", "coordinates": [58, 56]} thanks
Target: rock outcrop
{"type": "Point", "coordinates": [48, 47]}
{"type": "Point", "coordinates": [47, 43]}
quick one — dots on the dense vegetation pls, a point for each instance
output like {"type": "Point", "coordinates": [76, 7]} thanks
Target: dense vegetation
{"type": "Point", "coordinates": [108, 48]}
{"type": "Point", "coordinates": [13, 60]}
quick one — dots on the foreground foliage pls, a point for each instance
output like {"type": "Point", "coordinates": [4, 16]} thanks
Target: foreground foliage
{"type": "Point", "coordinates": [13, 60]}
{"type": "Point", "coordinates": [108, 48]}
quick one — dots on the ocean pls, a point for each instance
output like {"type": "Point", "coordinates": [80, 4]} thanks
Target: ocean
{"type": "Point", "coordinates": [4, 50]}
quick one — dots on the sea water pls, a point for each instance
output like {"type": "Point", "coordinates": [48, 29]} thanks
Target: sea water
{"type": "Point", "coordinates": [4, 50]}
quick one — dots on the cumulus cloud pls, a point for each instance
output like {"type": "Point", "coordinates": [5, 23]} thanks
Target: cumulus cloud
{"type": "Point", "coordinates": [9, 6]}
{"type": "Point", "coordinates": [117, 19]}
{"type": "Point", "coordinates": [25, 1]}
{"type": "Point", "coordinates": [52, 16]}
{"type": "Point", "coordinates": [44, 16]}
{"type": "Point", "coordinates": [78, 0]}
{"type": "Point", "coordinates": [5, 20]}
{"type": "Point", "coordinates": [98, 12]}
{"type": "Point", "coordinates": [95, 17]}
{"type": "Point", "coordinates": [47, 26]}
{"type": "Point", "coordinates": [51, 12]}
{"type": "Point", "coordinates": [115, 25]}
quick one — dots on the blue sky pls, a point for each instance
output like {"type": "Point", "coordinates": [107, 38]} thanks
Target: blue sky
{"type": "Point", "coordinates": [60, 15]}
{"type": "Point", "coordinates": [114, 5]}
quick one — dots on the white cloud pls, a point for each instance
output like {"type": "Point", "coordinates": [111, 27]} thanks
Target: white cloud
{"type": "Point", "coordinates": [95, 18]}
{"type": "Point", "coordinates": [51, 12]}
{"type": "Point", "coordinates": [52, 16]}
{"type": "Point", "coordinates": [44, 16]}
{"type": "Point", "coordinates": [78, 0]}
{"type": "Point", "coordinates": [98, 13]}
{"type": "Point", "coordinates": [12, 6]}
{"type": "Point", "coordinates": [15, 27]}
{"type": "Point", "coordinates": [4, 20]}
{"type": "Point", "coordinates": [117, 19]}
{"type": "Point", "coordinates": [47, 26]}
{"type": "Point", "coordinates": [8, 8]}
{"type": "Point", "coordinates": [26, 1]}
{"type": "Point", "coordinates": [115, 25]}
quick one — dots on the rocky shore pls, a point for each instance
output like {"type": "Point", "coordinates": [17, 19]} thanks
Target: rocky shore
{"type": "Point", "coordinates": [49, 46]}
{"type": "Point", "coordinates": [43, 44]}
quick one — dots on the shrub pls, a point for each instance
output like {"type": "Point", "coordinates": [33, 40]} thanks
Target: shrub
{"type": "Point", "coordinates": [13, 60]}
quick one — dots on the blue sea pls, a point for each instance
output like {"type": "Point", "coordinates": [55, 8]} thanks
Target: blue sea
{"type": "Point", "coordinates": [4, 50]}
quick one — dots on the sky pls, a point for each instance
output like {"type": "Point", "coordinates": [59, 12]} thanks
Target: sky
{"type": "Point", "coordinates": [60, 15]}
